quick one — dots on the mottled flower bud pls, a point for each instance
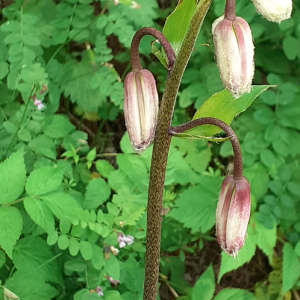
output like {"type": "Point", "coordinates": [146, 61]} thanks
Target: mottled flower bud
{"type": "Point", "coordinates": [234, 52]}
{"type": "Point", "coordinates": [233, 212]}
{"type": "Point", "coordinates": [274, 10]}
{"type": "Point", "coordinates": [140, 108]}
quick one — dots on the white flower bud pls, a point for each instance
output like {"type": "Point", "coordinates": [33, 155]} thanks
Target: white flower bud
{"type": "Point", "coordinates": [274, 10]}
{"type": "Point", "coordinates": [234, 52]}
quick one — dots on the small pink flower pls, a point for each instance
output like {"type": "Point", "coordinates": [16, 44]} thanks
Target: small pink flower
{"type": "Point", "coordinates": [38, 104]}
{"type": "Point", "coordinates": [124, 239]}
{"type": "Point", "coordinates": [99, 291]}
{"type": "Point", "coordinates": [112, 281]}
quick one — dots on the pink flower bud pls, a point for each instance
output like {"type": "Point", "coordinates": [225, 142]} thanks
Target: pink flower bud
{"type": "Point", "coordinates": [274, 10]}
{"type": "Point", "coordinates": [233, 213]}
{"type": "Point", "coordinates": [140, 108]}
{"type": "Point", "coordinates": [234, 52]}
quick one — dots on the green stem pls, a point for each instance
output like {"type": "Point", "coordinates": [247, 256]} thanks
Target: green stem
{"type": "Point", "coordinates": [160, 153]}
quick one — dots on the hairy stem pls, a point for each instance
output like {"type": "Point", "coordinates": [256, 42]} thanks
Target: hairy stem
{"type": "Point", "coordinates": [238, 164]}
{"type": "Point", "coordinates": [160, 153]}
{"type": "Point", "coordinates": [134, 49]}
{"type": "Point", "coordinates": [230, 10]}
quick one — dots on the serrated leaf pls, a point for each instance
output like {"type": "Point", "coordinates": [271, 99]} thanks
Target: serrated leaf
{"type": "Point", "coordinates": [104, 167]}
{"type": "Point", "coordinates": [30, 286]}
{"type": "Point", "coordinates": [290, 268]}
{"type": "Point", "coordinates": [10, 228]}
{"type": "Point", "coordinates": [223, 106]}
{"type": "Point", "coordinates": [32, 255]}
{"type": "Point", "coordinates": [39, 213]}
{"type": "Point", "coordinates": [196, 206]}
{"type": "Point", "coordinates": [12, 177]}
{"type": "Point", "coordinates": [205, 286]}
{"type": "Point", "coordinates": [97, 192]}
{"type": "Point", "coordinates": [43, 180]}
{"type": "Point", "coordinates": [177, 23]}
{"type": "Point", "coordinates": [234, 294]}
{"type": "Point", "coordinates": [63, 205]}
{"type": "Point", "coordinates": [59, 127]}
{"type": "Point", "coordinates": [229, 263]}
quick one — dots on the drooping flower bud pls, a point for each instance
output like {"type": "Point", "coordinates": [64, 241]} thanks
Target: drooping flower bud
{"type": "Point", "coordinates": [233, 212]}
{"type": "Point", "coordinates": [140, 108]}
{"type": "Point", "coordinates": [234, 52]}
{"type": "Point", "coordinates": [274, 10]}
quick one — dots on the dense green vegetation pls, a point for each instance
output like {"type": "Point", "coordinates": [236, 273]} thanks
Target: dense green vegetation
{"type": "Point", "coordinates": [68, 188]}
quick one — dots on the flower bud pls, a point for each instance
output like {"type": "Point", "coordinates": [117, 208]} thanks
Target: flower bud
{"type": "Point", "coordinates": [140, 108]}
{"type": "Point", "coordinates": [274, 10]}
{"type": "Point", "coordinates": [233, 213]}
{"type": "Point", "coordinates": [234, 52]}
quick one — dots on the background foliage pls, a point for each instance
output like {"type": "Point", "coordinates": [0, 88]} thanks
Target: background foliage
{"type": "Point", "coordinates": [67, 185]}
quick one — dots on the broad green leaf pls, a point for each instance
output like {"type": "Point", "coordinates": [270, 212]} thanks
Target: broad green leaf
{"type": "Point", "coordinates": [178, 22]}
{"type": "Point", "coordinates": [32, 255]}
{"type": "Point", "coordinates": [98, 257]}
{"type": "Point", "coordinates": [43, 145]}
{"type": "Point", "coordinates": [30, 286]}
{"type": "Point", "coordinates": [223, 106]}
{"type": "Point", "coordinates": [196, 206]}
{"type": "Point", "coordinates": [43, 180]}
{"type": "Point", "coordinates": [234, 294]}
{"type": "Point", "coordinates": [97, 192]}
{"type": "Point", "coordinates": [63, 242]}
{"type": "Point", "coordinates": [112, 267]}
{"type": "Point", "coordinates": [10, 228]}
{"type": "Point", "coordinates": [290, 268]}
{"type": "Point", "coordinates": [12, 177]}
{"type": "Point", "coordinates": [59, 127]}
{"type": "Point", "coordinates": [205, 286]}
{"type": "Point", "coordinates": [104, 167]}
{"type": "Point", "coordinates": [39, 213]}
{"type": "Point", "coordinates": [73, 246]}
{"type": "Point", "coordinates": [229, 263]}
{"type": "Point", "coordinates": [86, 250]}
{"type": "Point", "coordinates": [63, 205]}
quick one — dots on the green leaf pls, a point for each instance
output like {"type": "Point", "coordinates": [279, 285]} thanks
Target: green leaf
{"type": "Point", "coordinates": [223, 106]}
{"type": "Point", "coordinates": [86, 250]}
{"type": "Point", "coordinates": [59, 127]}
{"type": "Point", "coordinates": [177, 23]}
{"type": "Point", "coordinates": [63, 205]}
{"type": "Point", "coordinates": [205, 286]}
{"type": "Point", "coordinates": [29, 286]}
{"type": "Point", "coordinates": [98, 257]}
{"type": "Point", "coordinates": [290, 268]}
{"type": "Point", "coordinates": [73, 246]}
{"type": "Point", "coordinates": [52, 238]}
{"type": "Point", "coordinates": [32, 255]}
{"type": "Point", "coordinates": [63, 242]}
{"type": "Point", "coordinates": [39, 213]}
{"type": "Point", "coordinates": [3, 69]}
{"type": "Point", "coordinates": [229, 263]}
{"type": "Point", "coordinates": [234, 294]}
{"type": "Point", "coordinates": [12, 177]}
{"type": "Point", "coordinates": [43, 145]}
{"type": "Point", "coordinates": [43, 180]}
{"type": "Point", "coordinates": [97, 192]}
{"type": "Point", "coordinates": [2, 258]}
{"type": "Point", "coordinates": [112, 267]}
{"type": "Point", "coordinates": [196, 206]}
{"type": "Point", "coordinates": [10, 228]}
{"type": "Point", "coordinates": [104, 167]}
{"type": "Point", "coordinates": [86, 295]}
{"type": "Point", "coordinates": [291, 47]}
